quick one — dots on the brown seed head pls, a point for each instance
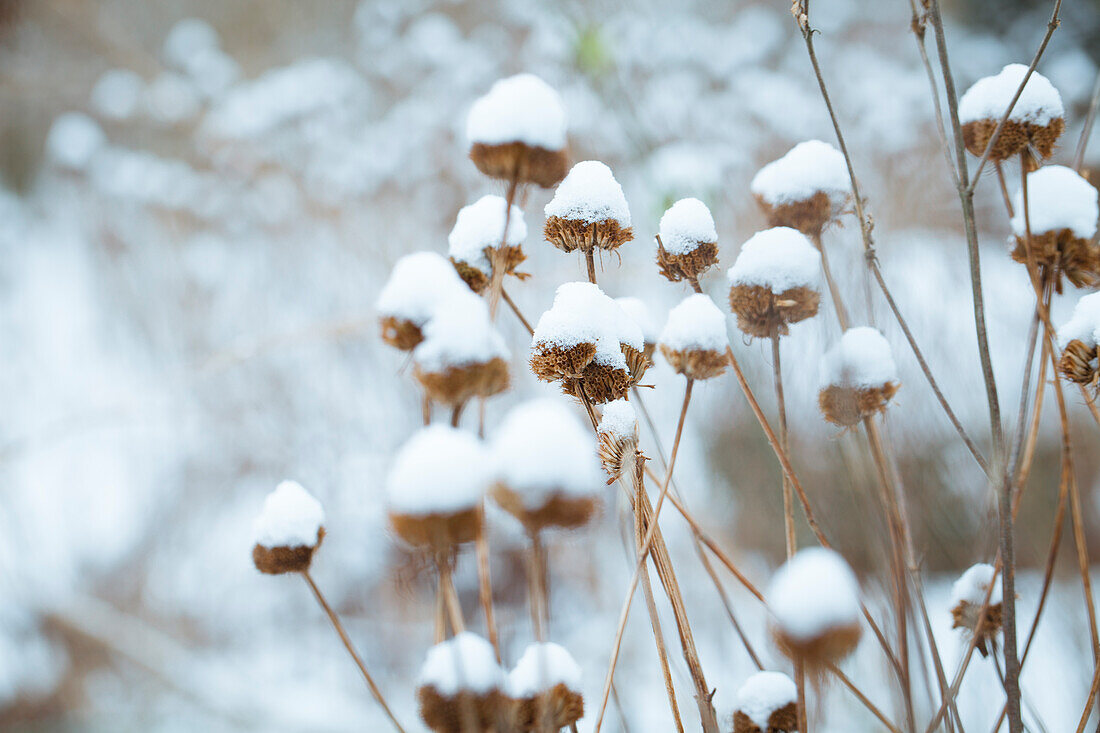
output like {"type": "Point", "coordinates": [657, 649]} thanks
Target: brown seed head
{"type": "Point", "coordinates": [284, 559]}
{"type": "Point", "coordinates": [438, 532]}
{"type": "Point", "coordinates": [560, 510]}
{"type": "Point", "coordinates": [1060, 253]}
{"type": "Point", "coordinates": [809, 216]}
{"type": "Point", "coordinates": [1016, 137]}
{"type": "Point", "coordinates": [570, 234]}
{"type": "Point", "coordinates": [400, 333]}
{"type": "Point", "coordinates": [551, 362]}
{"type": "Point", "coordinates": [557, 708]}
{"type": "Point", "coordinates": [689, 265]}
{"type": "Point", "coordinates": [520, 162]}
{"type": "Point", "coordinates": [819, 652]}
{"type": "Point", "coordinates": [782, 720]}
{"type": "Point", "coordinates": [762, 314]}
{"type": "Point", "coordinates": [456, 385]}
{"type": "Point", "coordinates": [846, 406]}
{"type": "Point", "coordinates": [464, 711]}
{"type": "Point", "coordinates": [695, 363]}
{"type": "Point", "coordinates": [984, 626]}
{"type": "Point", "coordinates": [1079, 363]}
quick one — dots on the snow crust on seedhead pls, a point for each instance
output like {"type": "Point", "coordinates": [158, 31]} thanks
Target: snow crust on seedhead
{"type": "Point", "coordinates": [439, 470]}
{"type": "Point", "coordinates": [638, 311]}
{"type": "Point", "coordinates": [459, 333]}
{"type": "Point", "coordinates": [481, 225]}
{"type": "Point", "coordinates": [779, 259]}
{"type": "Point", "coordinates": [291, 517]}
{"type": "Point", "coordinates": [808, 168]}
{"type": "Point", "coordinates": [541, 450]}
{"type": "Point", "coordinates": [582, 313]}
{"type": "Point", "coordinates": [685, 225]}
{"type": "Point", "coordinates": [989, 97]}
{"type": "Point", "coordinates": [972, 585]}
{"type": "Point", "coordinates": [521, 108]}
{"type": "Point", "coordinates": [1084, 325]}
{"type": "Point", "coordinates": [590, 193]}
{"type": "Point", "coordinates": [696, 323]}
{"type": "Point", "coordinates": [814, 592]}
{"type": "Point", "coordinates": [619, 420]}
{"type": "Point", "coordinates": [542, 667]}
{"type": "Point", "coordinates": [763, 693]}
{"type": "Point", "coordinates": [465, 663]}
{"type": "Point", "coordinates": [417, 285]}
{"type": "Point", "coordinates": [1058, 198]}
{"type": "Point", "coordinates": [861, 359]}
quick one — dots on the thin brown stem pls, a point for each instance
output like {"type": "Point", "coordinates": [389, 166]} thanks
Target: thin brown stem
{"type": "Point", "coordinates": [456, 414]}
{"type": "Point", "coordinates": [590, 261]}
{"type": "Point", "coordinates": [830, 281]}
{"type": "Point", "coordinates": [339, 627]}
{"type": "Point", "coordinates": [535, 586]}
{"type": "Point", "coordinates": [485, 584]}
{"type": "Point", "coordinates": [784, 438]}
{"type": "Point", "coordinates": [800, 685]}
{"type": "Point", "coordinates": [863, 698]}
{"type": "Point", "coordinates": [450, 597]}
{"type": "Point", "coordinates": [496, 261]}
{"type": "Point", "coordinates": [1004, 188]}
{"type": "Point", "coordinates": [515, 309]}
{"type": "Point", "coordinates": [1086, 131]}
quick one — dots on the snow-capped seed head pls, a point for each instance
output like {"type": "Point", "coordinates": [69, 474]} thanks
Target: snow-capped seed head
{"type": "Point", "coordinates": [1062, 213]}
{"type": "Point", "coordinates": [638, 311]}
{"type": "Point", "coordinates": [517, 132]}
{"type": "Point", "coordinates": [417, 285]}
{"type": "Point", "coordinates": [435, 486]}
{"type": "Point", "coordinates": [766, 702]}
{"type": "Point", "coordinates": [548, 472]}
{"type": "Point", "coordinates": [1033, 126]}
{"type": "Point", "coordinates": [858, 377]}
{"type": "Point", "coordinates": [814, 602]}
{"type": "Point", "coordinates": [546, 685]}
{"type": "Point", "coordinates": [461, 684]}
{"type": "Point", "coordinates": [588, 211]}
{"type": "Point", "coordinates": [462, 355]}
{"type": "Point", "coordinates": [687, 243]}
{"type": "Point", "coordinates": [476, 240]}
{"type": "Point", "coordinates": [968, 595]}
{"type": "Point", "coordinates": [617, 437]}
{"type": "Point", "coordinates": [694, 338]}
{"type": "Point", "coordinates": [806, 189]}
{"type": "Point", "coordinates": [775, 281]}
{"type": "Point", "coordinates": [1079, 338]}
{"type": "Point", "coordinates": [288, 530]}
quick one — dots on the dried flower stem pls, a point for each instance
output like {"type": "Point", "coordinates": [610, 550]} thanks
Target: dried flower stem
{"type": "Point", "coordinates": [450, 596]}
{"type": "Point", "coordinates": [1086, 131]}
{"type": "Point", "coordinates": [834, 291]}
{"type": "Point", "coordinates": [1004, 188]}
{"type": "Point", "coordinates": [496, 281]}
{"type": "Point", "coordinates": [536, 587]}
{"type": "Point", "coordinates": [800, 686]}
{"type": "Point", "coordinates": [590, 260]}
{"type": "Point", "coordinates": [515, 309]}
{"type": "Point", "coordinates": [484, 584]}
{"type": "Point", "coordinates": [339, 627]}
{"type": "Point", "coordinates": [784, 438]}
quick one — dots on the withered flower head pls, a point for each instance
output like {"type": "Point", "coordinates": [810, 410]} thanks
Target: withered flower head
{"type": "Point", "coordinates": [1062, 211]}
{"type": "Point", "coordinates": [1034, 125]}
{"type": "Point", "coordinates": [545, 687]}
{"type": "Point", "coordinates": [766, 703]}
{"type": "Point", "coordinates": [776, 281]}
{"type": "Point", "coordinates": [858, 377]}
{"type": "Point", "coordinates": [814, 602]}
{"type": "Point", "coordinates": [694, 339]}
{"type": "Point", "coordinates": [461, 687]}
{"type": "Point", "coordinates": [687, 243]}
{"type": "Point", "coordinates": [1079, 338]}
{"type": "Point", "coordinates": [969, 610]}
{"type": "Point", "coordinates": [435, 487]}
{"type": "Point", "coordinates": [288, 530]}
{"type": "Point", "coordinates": [618, 437]}
{"type": "Point", "coordinates": [517, 132]}
{"type": "Point", "coordinates": [462, 355]}
{"type": "Point", "coordinates": [548, 474]}
{"type": "Point", "coordinates": [417, 285]}
{"type": "Point", "coordinates": [477, 244]}
{"type": "Point", "coordinates": [588, 211]}
{"type": "Point", "coordinates": [806, 189]}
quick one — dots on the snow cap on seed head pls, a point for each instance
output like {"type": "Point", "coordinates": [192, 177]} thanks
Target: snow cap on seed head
{"type": "Point", "coordinates": [685, 225]}
{"type": "Point", "coordinates": [761, 697]}
{"type": "Point", "coordinates": [806, 188]}
{"type": "Point", "coordinates": [1084, 325]}
{"type": "Point", "coordinates": [478, 227]}
{"type": "Point", "coordinates": [862, 358]}
{"type": "Point", "coordinates": [972, 586]}
{"type": "Point", "coordinates": [989, 97]}
{"type": "Point", "coordinates": [780, 258]}
{"type": "Point", "coordinates": [590, 194]}
{"type": "Point", "coordinates": [460, 333]}
{"type": "Point", "coordinates": [521, 108]}
{"type": "Point", "coordinates": [541, 667]}
{"type": "Point", "coordinates": [418, 284]}
{"type": "Point", "coordinates": [439, 470]}
{"type": "Point", "coordinates": [618, 437]}
{"type": "Point", "coordinates": [288, 530]}
{"type": "Point", "coordinates": [694, 339]}
{"type": "Point", "coordinates": [465, 663]}
{"type": "Point", "coordinates": [1058, 198]}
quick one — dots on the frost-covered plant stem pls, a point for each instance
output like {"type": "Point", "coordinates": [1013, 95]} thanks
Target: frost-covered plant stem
{"type": "Point", "coordinates": [339, 627]}
{"type": "Point", "coordinates": [784, 437]}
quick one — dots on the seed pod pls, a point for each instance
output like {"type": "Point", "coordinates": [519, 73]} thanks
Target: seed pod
{"type": "Point", "coordinates": [806, 189]}
{"type": "Point", "coordinates": [288, 530]}
{"type": "Point", "coordinates": [687, 244]}
{"type": "Point", "coordinates": [545, 689]}
{"type": "Point", "coordinates": [858, 377]}
{"type": "Point", "coordinates": [418, 284]}
{"type": "Point", "coordinates": [461, 687]}
{"type": "Point", "coordinates": [618, 437]}
{"type": "Point", "coordinates": [462, 355]}
{"type": "Point", "coordinates": [476, 244]}
{"type": "Point", "coordinates": [694, 340]}
{"type": "Point", "coordinates": [967, 611]}
{"type": "Point", "coordinates": [588, 211]}
{"type": "Point", "coordinates": [775, 282]}
{"type": "Point", "coordinates": [1033, 126]}
{"type": "Point", "coordinates": [766, 703]}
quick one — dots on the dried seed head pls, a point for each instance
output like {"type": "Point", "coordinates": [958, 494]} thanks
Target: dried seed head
{"type": "Point", "coordinates": [858, 377]}
{"type": "Point", "coordinates": [1079, 338]}
{"type": "Point", "coordinates": [288, 530]}
{"type": "Point", "coordinates": [687, 243]}
{"type": "Point", "coordinates": [766, 703]}
{"type": "Point", "coordinates": [588, 211]}
{"type": "Point", "coordinates": [600, 382]}
{"type": "Point", "coordinates": [967, 598]}
{"type": "Point", "coordinates": [476, 245]}
{"type": "Point", "coordinates": [806, 189]}
{"type": "Point", "coordinates": [517, 132]}
{"type": "Point", "coordinates": [462, 355]}
{"type": "Point", "coordinates": [557, 708]}
{"type": "Point", "coordinates": [545, 686]}
{"type": "Point", "coordinates": [694, 339]}
{"type": "Point", "coordinates": [775, 281]}
{"type": "Point", "coordinates": [1036, 121]}
{"type": "Point", "coordinates": [400, 333]}
{"type": "Point", "coordinates": [418, 284]}
{"type": "Point", "coordinates": [846, 406]}
{"type": "Point", "coordinates": [457, 385]}
{"type": "Point", "coordinates": [618, 437]}
{"type": "Point", "coordinates": [461, 687]}
{"type": "Point", "coordinates": [763, 314]}
{"type": "Point", "coordinates": [1079, 363]}
{"type": "Point", "coordinates": [1037, 141]}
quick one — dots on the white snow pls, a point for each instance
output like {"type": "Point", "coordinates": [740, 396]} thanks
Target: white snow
{"type": "Point", "coordinates": [686, 225]}
{"type": "Point", "coordinates": [779, 259]}
{"type": "Point", "coordinates": [481, 225]}
{"type": "Point", "coordinates": [1058, 198]}
{"type": "Point", "coordinates": [73, 139]}
{"type": "Point", "coordinates": [522, 108]}
{"type": "Point", "coordinates": [188, 37]}
{"type": "Point", "coordinates": [171, 99]}
{"type": "Point", "coordinates": [814, 592]}
{"type": "Point", "coordinates": [861, 358]}
{"type": "Point", "coordinates": [990, 96]}
{"type": "Point", "coordinates": [696, 323]}
{"type": "Point", "coordinates": [972, 586]}
{"type": "Point", "coordinates": [763, 694]}
{"type": "Point", "coordinates": [806, 169]}
{"type": "Point", "coordinates": [619, 420]}
{"type": "Point", "coordinates": [582, 313]}
{"type": "Point", "coordinates": [116, 94]}
{"type": "Point", "coordinates": [440, 469]}
{"type": "Point", "coordinates": [542, 667]}
{"type": "Point", "coordinates": [1084, 325]}
{"type": "Point", "coordinates": [291, 517]}
{"type": "Point", "coordinates": [542, 450]}
{"type": "Point", "coordinates": [418, 284]}
{"type": "Point", "coordinates": [465, 663]}
{"type": "Point", "coordinates": [638, 311]}
{"type": "Point", "coordinates": [589, 193]}
{"type": "Point", "coordinates": [459, 333]}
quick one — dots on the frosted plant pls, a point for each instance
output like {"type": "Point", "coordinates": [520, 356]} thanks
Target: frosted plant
{"type": "Point", "coordinates": [766, 703]}
{"type": "Point", "coordinates": [858, 377]}
{"type": "Point", "coordinates": [588, 213]}
{"type": "Point", "coordinates": [694, 339]}
{"type": "Point", "coordinates": [975, 607]}
{"type": "Point", "coordinates": [637, 310]}
{"type": "Point", "coordinates": [478, 245]}
{"type": "Point", "coordinates": [775, 281]}
{"type": "Point", "coordinates": [1079, 339]}
{"type": "Point", "coordinates": [687, 242]}
{"type": "Point", "coordinates": [1033, 127]}
{"type": "Point", "coordinates": [461, 686]}
{"type": "Point", "coordinates": [618, 437]}
{"type": "Point", "coordinates": [806, 189]}
{"type": "Point", "coordinates": [545, 686]}
{"type": "Point", "coordinates": [418, 283]}
{"type": "Point", "coordinates": [288, 530]}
